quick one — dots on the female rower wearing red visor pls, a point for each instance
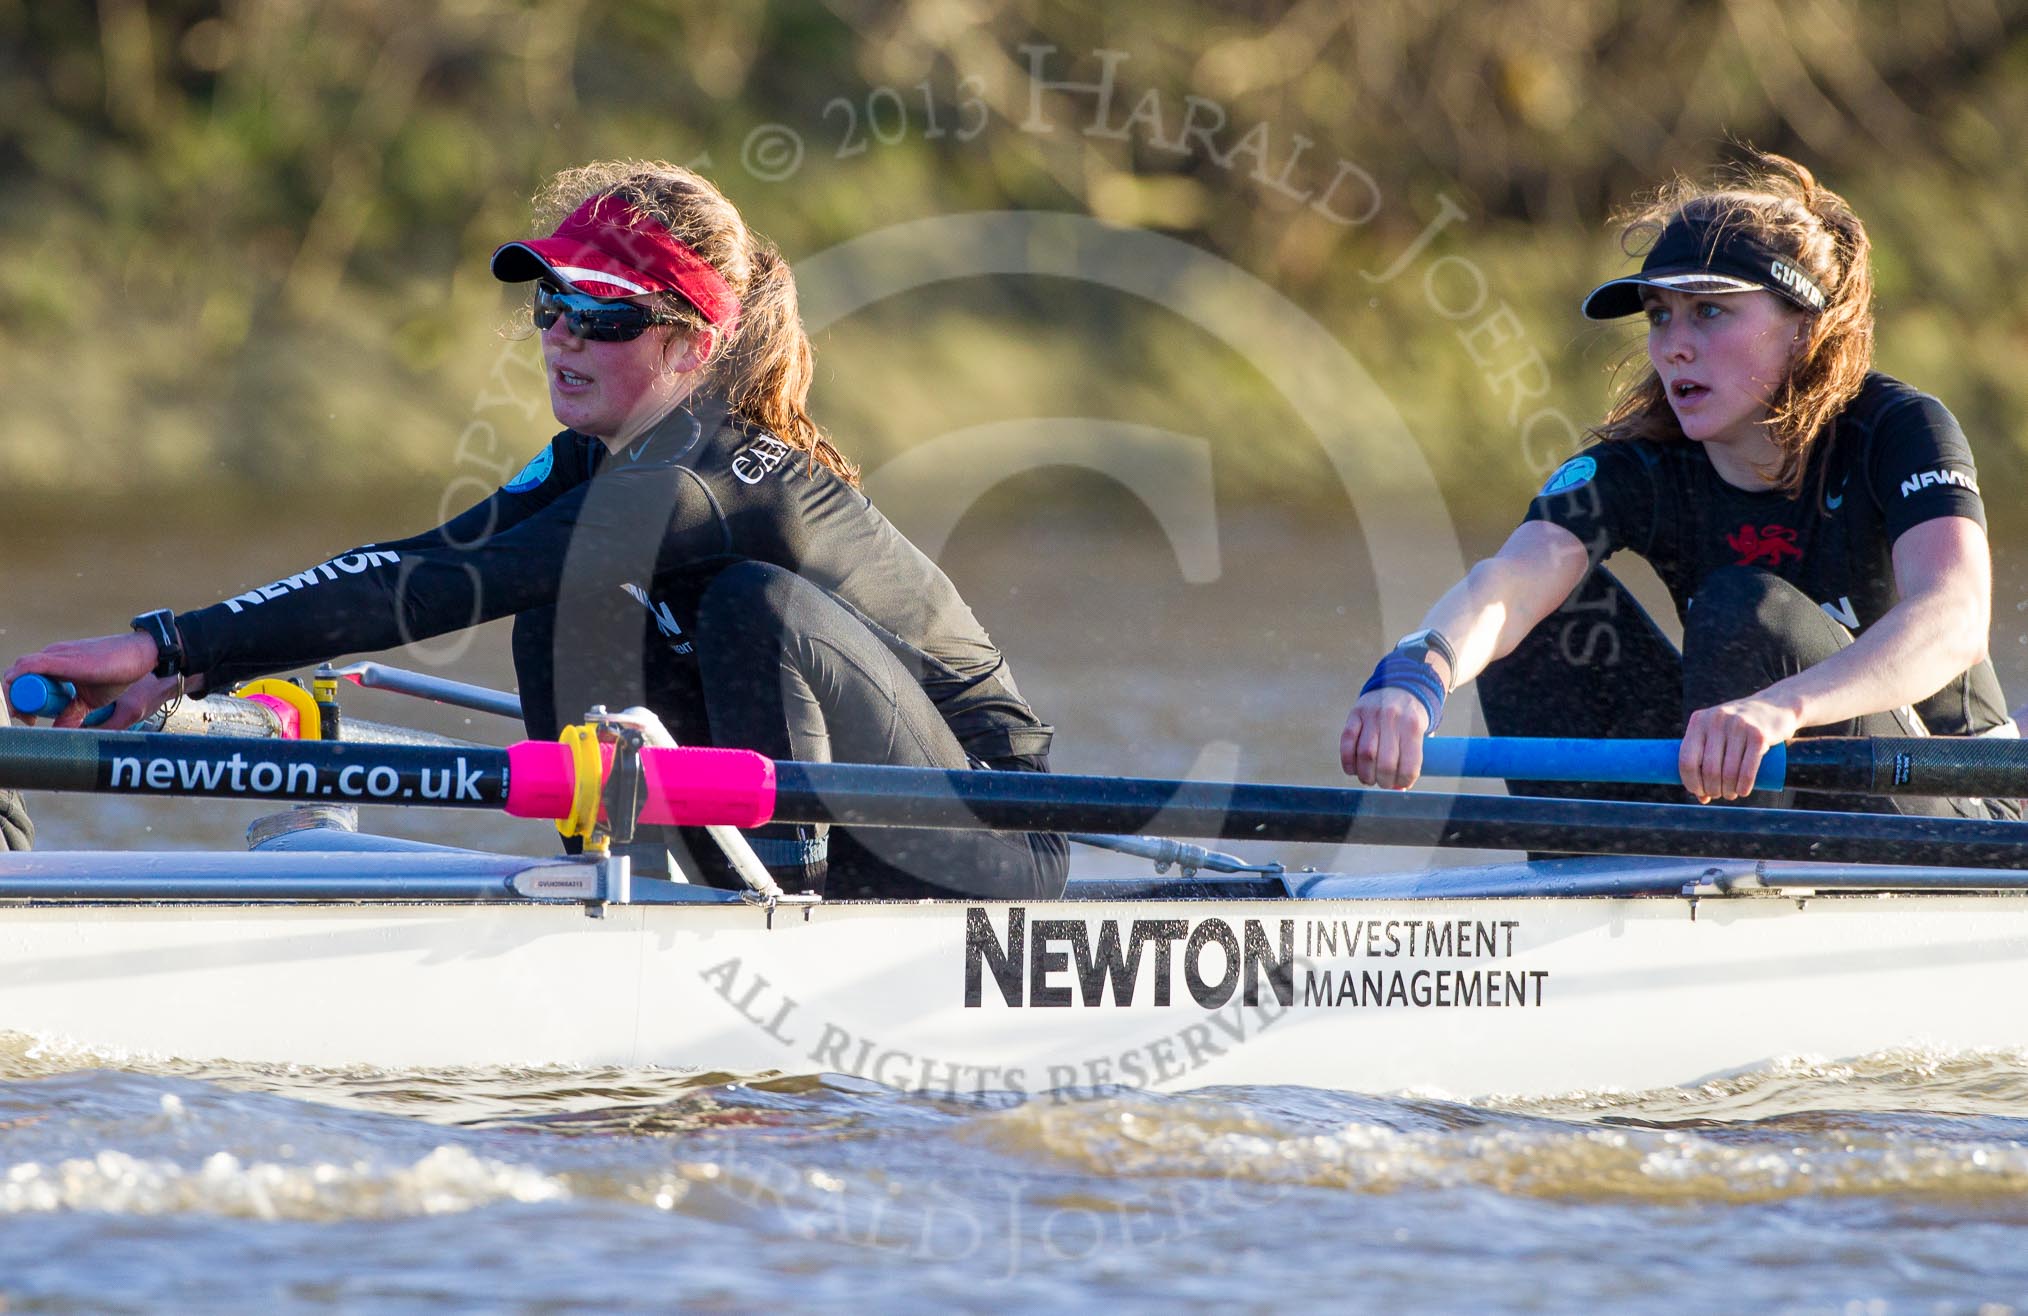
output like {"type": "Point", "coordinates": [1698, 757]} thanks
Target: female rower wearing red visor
{"type": "Point", "coordinates": [691, 541]}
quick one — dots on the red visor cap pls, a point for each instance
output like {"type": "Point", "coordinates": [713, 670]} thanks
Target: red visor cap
{"type": "Point", "coordinates": [605, 250]}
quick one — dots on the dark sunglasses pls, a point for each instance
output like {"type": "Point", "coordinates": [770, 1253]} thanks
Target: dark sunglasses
{"type": "Point", "coordinates": [590, 318]}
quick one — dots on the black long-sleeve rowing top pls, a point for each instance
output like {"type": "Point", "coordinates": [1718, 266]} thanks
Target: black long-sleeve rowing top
{"type": "Point", "coordinates": [657, 520]}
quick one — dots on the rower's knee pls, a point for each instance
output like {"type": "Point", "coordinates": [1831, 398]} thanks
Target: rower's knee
{"type": "Point", "coordinates": [1731, 597]}
{"type": "Point", "coordinates": [1746, 604]}
{"type": "Point", "coordinates": [1746, 629]}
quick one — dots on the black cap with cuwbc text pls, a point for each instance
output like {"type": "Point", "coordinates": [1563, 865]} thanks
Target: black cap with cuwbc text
{"type": "Point", "coordinates": [1706, 256]}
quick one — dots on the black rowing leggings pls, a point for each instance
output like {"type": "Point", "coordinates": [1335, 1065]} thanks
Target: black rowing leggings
{"type": "Point", "coordinates": [785, 669]}
{"type": "Point", "coordinates": [1599, 667]}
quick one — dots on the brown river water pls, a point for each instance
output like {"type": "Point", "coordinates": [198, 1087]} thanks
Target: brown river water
{"type": "Point", "coordinates": [1886, 1183]}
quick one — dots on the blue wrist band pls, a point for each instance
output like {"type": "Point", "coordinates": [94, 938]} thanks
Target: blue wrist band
{"type": "Point", "coordinates": [1399, 672]}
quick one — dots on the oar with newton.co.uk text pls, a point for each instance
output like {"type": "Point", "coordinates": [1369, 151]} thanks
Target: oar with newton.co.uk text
{"type": "Point", "coordinates": [43, 696]}
{"type": "Point", "coordinates": [728, 787]}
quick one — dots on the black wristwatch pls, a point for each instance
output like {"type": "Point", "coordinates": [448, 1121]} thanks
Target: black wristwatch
{"type": "Point", "coordinates": [1425, 642]}
{"type": "Point", "coordinates": [160, 626]}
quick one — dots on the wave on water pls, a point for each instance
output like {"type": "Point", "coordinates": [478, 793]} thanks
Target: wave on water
{"type": "Point", "coordinates": [1401, 1147]}
{"type": "Point", "coordinates": [1898, 1123]}
{"type": "Point", "coordinates": [84, 1130]}
{"type": "Point", "coordinates": [446, 1180]}
{"type": "Point", "coordinates": [1984, 1082]}
{"type": "Point", "coordinates": [448, 1095]}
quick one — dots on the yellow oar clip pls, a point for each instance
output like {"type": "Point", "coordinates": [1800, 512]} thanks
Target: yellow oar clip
{"type": "Point", "coordinates": [309, 722]}
{"type": "Point", "coordinates": [588, 767]}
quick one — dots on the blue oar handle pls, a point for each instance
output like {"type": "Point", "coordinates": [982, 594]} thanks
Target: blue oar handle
{"type": "Point", "coordinates": [1644, 762]}
{"type": "Point", "coordinates": [46, 696]}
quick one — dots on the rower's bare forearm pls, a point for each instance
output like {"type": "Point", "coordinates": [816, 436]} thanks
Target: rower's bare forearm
{"type": "Point", "coordinates": [1473, 615]}
{"type": "Point", "coordinates": [1493, 608]}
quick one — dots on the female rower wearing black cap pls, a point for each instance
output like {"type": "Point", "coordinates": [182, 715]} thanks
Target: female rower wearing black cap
{"type": "Point", "coordinates": [691, 541]}
{"type": "Point", "coordinates": [1818, 526]}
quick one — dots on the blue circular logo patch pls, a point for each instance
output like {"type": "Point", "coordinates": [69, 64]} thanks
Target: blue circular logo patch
{"type": "Point", "coordinates": [1573, 474]}
{"type": "Point", "coordinates": [534, 473]}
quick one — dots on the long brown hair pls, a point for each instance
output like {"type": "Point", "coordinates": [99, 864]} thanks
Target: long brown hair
{"type": "Point", "coordinates": [764, 370]}
{"type": "Point", "coordinates": [1780, 202]}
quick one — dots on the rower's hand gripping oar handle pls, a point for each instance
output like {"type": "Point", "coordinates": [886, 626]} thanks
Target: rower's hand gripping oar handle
{"type": "Point", "coordinates": [34, 695]}
{"type": "Point", "coordinates": [295, 714]}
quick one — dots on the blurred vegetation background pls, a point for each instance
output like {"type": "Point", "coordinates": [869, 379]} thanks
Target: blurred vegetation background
{"type": "Point", "coordinates": [245, 243]}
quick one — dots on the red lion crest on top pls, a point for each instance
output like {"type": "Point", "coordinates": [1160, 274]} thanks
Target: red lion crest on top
{"type": "Point", "coordinates": [1769, 544]}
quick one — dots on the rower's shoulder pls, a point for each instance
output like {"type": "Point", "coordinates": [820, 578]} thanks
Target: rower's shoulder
{"type": "Point", "coordinates": [1882, 396]}
{"type": "Point", "coordinates": [1641, 457]}
{"type": "Point", "coordinates": [708, 442]}
{"type": "Point", "coordinates": [756, 462]}
{"type": "Point", "coordinates": [1608, 463]}
{"type": "Point", "coordinates": [565, 459]}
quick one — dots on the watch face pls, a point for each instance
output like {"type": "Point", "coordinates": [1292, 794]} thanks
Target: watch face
{"type": "Point", "coordinates": [160, 626]}
{"type": "Point", "coordinates": [1423, 643]}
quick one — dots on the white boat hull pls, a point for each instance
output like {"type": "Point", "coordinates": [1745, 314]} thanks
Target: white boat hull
{"type": "Point", "coordinates": [1555, 995]}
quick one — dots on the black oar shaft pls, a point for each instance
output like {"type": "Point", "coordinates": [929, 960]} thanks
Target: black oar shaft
{"type": "Point", "coordinates": [861, 795]}
{"type": "Point", "coordinates": [1943, 766]}
{"type": "Point", "coordinates": [855, 794]}
{"type": "Point", "coordinates": [135, 763]}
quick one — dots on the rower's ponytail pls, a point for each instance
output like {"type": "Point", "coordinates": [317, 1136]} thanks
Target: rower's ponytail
{"type": "Point", "coordinates": [763, 368]}
{"type": "Point", "coordinates": [766, 373]}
